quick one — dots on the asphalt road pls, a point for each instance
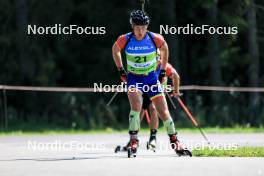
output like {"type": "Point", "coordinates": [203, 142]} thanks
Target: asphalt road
{"type": "Point", "coordinates": [87, 154]}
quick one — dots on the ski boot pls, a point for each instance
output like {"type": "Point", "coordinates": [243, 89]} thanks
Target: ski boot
{"type": "Point", "coordinates": [179, 147]}
{"type": "Point", "coordinates": [132, 148]}
{"type": "Point", "coordinates": [151, 144]}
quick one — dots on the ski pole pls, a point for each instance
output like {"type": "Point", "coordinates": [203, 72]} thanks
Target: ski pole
{"type": "Point", "coordinates": [189, 114]}
{"type": "Point", "coordinates": [112, 98]}
{"type": "Point", "coordinates": [191, 117]}
{"type": "Point", "coordinates": [174, 107]}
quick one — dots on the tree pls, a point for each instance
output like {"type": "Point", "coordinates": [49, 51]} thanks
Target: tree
{"type": "Point", "coordinates": [27, 65]}
{"type": "Point", "coordinates": [173, 40]}
{"type": "Point", "coordinates": [254, 57]}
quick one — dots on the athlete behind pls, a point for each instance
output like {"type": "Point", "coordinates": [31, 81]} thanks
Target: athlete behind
{"type": "Point", "coordinates": [150, 108]}
{"type": "Point", "coordinates": [141, 48]}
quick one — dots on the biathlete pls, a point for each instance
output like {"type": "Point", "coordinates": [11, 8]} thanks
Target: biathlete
{"type": "Point", "coordinates": [144, 50]}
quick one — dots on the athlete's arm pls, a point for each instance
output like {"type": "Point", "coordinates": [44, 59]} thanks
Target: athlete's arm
{"type": "Point", "coordinates": [164, 50]}
{"type": "Point", "coordinates": [164, 55]}
{"type": "Point", "coordinates": [116, 52]}
{"type": "Point", "coordinates": [176, 82]}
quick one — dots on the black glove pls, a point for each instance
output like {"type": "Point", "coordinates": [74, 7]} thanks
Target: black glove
{"type": "Point", "coordinates": [123, 74]}
{"type": "Point", "coordinates": [162, 75]}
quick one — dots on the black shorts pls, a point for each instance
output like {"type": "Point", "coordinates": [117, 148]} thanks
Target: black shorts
{"type": "Point", "coordinates": [146, 101]}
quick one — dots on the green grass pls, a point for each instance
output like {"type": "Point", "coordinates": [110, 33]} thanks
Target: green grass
{"type": "Point", "coordinates": [239, 152]}
{"type": "Point", "coordinates": [44, 131]}
{"type": "Point", "coordinates": [224, 130]}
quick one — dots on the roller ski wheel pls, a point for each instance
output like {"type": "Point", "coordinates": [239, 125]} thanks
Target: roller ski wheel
{"type": "Point", "coordinates": [132, 149]}
{"type": "Point", "coordinates": [151, 145]}
{"type": "Point", "coordinates": [131, 153]}
{"type": "Point", "coordinates": [184, 152]}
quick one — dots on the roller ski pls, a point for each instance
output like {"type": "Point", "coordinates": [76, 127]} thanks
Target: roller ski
{"type": "Point", "coordinates": [132, 148]}
{"type": "Point", "coordinates": [120, 148]}
{"type": "Point", "coordinates": [179, 147]}
{"type": "Point", "coordinates": [151, 144]}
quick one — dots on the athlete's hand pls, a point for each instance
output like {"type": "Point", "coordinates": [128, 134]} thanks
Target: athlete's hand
{"type": "Point", "coordinates": [123, 74]}
{"type": "Point", "coordinates": [162, 75]}
{"type": "Point", "coordinates": [176, 93]}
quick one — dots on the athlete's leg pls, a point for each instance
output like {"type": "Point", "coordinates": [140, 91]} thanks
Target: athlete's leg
{"type": "Point", "coordinates": [161, 106]}
{"type": "Point", "coordinates": [154, 120]}
{"type": "Point", "coordinates": [162, 109]}
{"type": "Point", "coordinates": [135, 100]}
{"type": "Point", "coordinates": [154, 123]}
{"type": "Point", "coordinates": [142, 114]}
{"type": "Point", "coordinates": [150, 108]}
{"type": "Point", "coordinates": [145, 105]}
